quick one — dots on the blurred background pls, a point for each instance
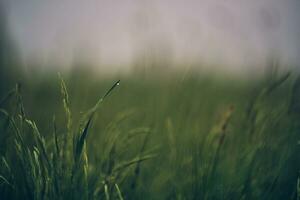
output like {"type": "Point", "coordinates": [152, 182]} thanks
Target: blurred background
{"type": "Point", "coordinates": [110, 36]}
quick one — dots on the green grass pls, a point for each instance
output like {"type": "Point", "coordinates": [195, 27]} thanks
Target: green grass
{"type": "Point", "coordinates": [191, 137]}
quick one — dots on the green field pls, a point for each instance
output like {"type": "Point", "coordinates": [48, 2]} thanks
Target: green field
{"type": "Point", "coordinates": [179, 136]}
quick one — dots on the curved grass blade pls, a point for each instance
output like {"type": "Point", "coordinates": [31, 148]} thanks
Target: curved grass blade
{"type": "Point", "coordinates": [90, 114]}
{"type": "Point", "coordinates": [119, 192]}
{"type": "Point", "coordinates": [97, 105]}
{"type": "Point", "coordinates": [133, 161]}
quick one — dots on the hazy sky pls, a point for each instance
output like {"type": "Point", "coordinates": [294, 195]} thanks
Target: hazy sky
{"type": "Point", "coordinates": [232, 32]}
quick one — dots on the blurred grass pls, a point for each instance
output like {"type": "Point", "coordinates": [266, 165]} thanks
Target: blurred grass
{"type": "Point", "coordinates": [188, 136]}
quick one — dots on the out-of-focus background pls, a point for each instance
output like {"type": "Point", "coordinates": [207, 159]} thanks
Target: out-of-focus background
{"type": "Point", "coordinates": [238, 35]}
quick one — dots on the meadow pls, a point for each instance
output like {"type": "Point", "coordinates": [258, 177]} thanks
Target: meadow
{"type": "Point", "coordinates": [175, 136]}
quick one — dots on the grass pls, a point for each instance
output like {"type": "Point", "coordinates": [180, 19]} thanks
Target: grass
{"type": "Point", "coordinates": [201, 137]}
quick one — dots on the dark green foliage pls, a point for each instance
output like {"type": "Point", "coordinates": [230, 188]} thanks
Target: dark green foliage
{"type": "Point", "coordinates": [201, 137]}
{"type": "Point", "coordinates": [36, 169]}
